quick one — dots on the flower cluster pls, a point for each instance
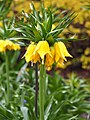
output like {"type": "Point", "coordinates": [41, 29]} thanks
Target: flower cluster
{"type": "Point", "coordinates": [8, 45]}
{"type": "Point", "coordinates": [42, 52]}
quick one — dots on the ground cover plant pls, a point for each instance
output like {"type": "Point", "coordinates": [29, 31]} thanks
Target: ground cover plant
{"type": "Point", "coordinates": [30, 46]}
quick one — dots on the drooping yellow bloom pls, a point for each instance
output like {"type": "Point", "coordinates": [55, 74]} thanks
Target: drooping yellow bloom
{"type": "Point", "coordinates": [42, 49]}
{"type": "Point", "coordinates": [30, 56]}
{"type": "Point", "coordinates": [58, 52]}
{"type": "Point", "coordinates": [43, 52]}
{"type": "Point", "coordinates": [8, 45]}
{"type": "Point", "coordinates": [61, 51]}
{"type": "Point", "coordinates": [36, 52]}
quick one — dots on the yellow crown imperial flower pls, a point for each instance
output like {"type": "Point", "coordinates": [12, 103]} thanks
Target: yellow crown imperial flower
{"type": "Point", "coordinates": [42, 49]}
{"type": "Point", "coordinates": [35, 52]}
{"type": "Point", "coordinates": [30, 56]}
{"type": "Point", "coordinates": [8, 45]}
{"type": "Point", "coordinates": [48, 55]}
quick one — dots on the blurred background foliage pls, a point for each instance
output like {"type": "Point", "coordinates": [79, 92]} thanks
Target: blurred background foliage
{"type": "Point", "coordinates": [79, 28]}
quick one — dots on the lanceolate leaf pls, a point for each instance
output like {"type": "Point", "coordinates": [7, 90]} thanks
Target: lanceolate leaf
{"type": "Point", "coordinates": [38, 37]}
{"type": "Point", "coordinates": [49, 23]}
{"type": "Point", "coordinates": [87, 7]}
{"type": "Point", "coordinates": [47, 110]}
{"type": "Point", "coordinates": [6, 114]}
{"type": "Point", "coordinates": [5, 7]}
{"type": "Point", "coordinates": [44, 13]}
{"type": "Point", "coordinates": [63, 24]}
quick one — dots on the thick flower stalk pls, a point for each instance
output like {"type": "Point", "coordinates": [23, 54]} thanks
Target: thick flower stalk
{"type": "Point", "coordinates": [6, 45]}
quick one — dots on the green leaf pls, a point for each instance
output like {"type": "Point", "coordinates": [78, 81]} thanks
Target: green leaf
{"type": "Point", "coordinates": [5, 7]}
{"type": "Point", "coordinates": [87, 7]}
{"type": "Point", "coordinates": [42, 29]}
{"type": "Point", "coordinates": [44, 13]}
{"type": "Point", "coordinates": [6, 114]}
{"type": "Point", "coordinates": [34, 10]}
{"type": "Point", "coordinates": [57, 18]}
{"type": "Point", "coordinates": [65, 39]}
{"type": "Point", "coordinates": [50, 40]}
{"type": "Point", "coordinates": [38, 37]}
{"type": "Point", "coordinates": [25, 112]}
{"type": "Point", "coordinates": [55, 31]}
{"type": "Point", "coordinates": [49, 23]}
{"type": "Point", "coordinates": [64, 24]}
{"type": "Point", "coordinates": [47, 110]}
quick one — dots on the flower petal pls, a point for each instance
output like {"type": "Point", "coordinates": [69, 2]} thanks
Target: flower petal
{"type": "Point", "coordinates": [42, 49]}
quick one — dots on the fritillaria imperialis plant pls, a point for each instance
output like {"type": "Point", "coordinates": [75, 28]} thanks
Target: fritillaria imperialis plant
{"type": "Point", "coordinates": [40, 30]}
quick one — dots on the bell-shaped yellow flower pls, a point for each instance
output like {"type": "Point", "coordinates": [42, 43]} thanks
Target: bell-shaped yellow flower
{"type": "Point", "coordinates": [30, 56]}
{"type": "Point", "coordinates": [36, 52]}
{"type": "Point", "coordinates": [8, 45]}
{"type": "Point", "coordinates": [61, 51]}
{"type": "Point", "coordinates": [42, 49]}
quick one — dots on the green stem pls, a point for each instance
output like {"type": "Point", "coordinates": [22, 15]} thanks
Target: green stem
{"type": "Point", "coordinates": [7, 77]}
{"type": "Point", "coordinates": [41, 91]}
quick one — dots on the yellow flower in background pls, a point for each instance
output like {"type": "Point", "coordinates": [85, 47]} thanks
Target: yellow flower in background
{"type": "Point", "coordinates": [8, 45]}
{"type": "Point", "coordinates": [87, 51]}
{"type": "Point", "coordinates": [42, 52]}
